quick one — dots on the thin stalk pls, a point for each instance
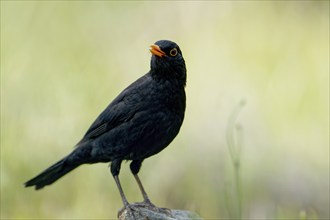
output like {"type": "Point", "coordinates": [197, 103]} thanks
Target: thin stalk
{"type": "Point", "coordinates": [234, 142]}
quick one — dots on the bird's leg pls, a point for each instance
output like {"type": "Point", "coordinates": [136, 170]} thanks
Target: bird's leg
{"type": "Point", "coordinates": [144, 194]}
{"type": "Point", "coordinates": [123, 197]}
{"type": "Point", "coordinates": [135, 168]}
{"type": "Point", "coordinates": [115, 168]}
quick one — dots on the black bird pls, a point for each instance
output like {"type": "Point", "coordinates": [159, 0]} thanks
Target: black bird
{"type": "Point", "coordinates": [140, 122]}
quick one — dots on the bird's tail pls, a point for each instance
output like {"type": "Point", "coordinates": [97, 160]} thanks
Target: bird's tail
{"type": "Point", "coordinates": [51, 174]}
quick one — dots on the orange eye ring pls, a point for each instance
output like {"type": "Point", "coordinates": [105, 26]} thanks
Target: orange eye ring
{"type": "Point", "coordinates": [173, 52]}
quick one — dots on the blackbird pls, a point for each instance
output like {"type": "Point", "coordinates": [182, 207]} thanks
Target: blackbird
{"type": "Point", "coordinates": [140, 122]}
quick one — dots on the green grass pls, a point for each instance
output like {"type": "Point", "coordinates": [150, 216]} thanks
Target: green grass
{"type": "Point", "coordinates": [62, 62]}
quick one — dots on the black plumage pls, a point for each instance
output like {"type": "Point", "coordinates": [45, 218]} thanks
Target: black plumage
{"type": "Point", "coordinates": [140, 122]}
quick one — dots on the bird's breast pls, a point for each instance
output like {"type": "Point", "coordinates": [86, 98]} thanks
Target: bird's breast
{"type": "Point", "coordinates": [158, 123]}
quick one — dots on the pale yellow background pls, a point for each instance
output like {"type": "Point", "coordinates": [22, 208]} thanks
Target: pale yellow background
{"type": "Point", "coordinates": [62, 62]}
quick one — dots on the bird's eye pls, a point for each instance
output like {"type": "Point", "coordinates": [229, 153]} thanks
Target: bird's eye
{"type": "Point", "coordinates": [173, 52]}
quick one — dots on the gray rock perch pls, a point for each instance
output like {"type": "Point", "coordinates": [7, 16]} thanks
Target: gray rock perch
{"type": "Point", "coordinates": [143, 212]}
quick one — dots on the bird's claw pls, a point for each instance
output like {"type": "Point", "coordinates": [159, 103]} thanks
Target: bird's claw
{"type": "Point", "coordinates": [136, 208]}
{"type": "Point", "coordinates": [129, 211]}
{"type": "Point", "coordinates": [149, 205]}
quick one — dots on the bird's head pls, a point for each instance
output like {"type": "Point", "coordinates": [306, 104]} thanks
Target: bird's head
{"type": "Point", "coordinates": [167, 61]}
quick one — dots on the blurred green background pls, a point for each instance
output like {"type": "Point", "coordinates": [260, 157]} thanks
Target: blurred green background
{"type": "Point", "coordinates": [62, 62]}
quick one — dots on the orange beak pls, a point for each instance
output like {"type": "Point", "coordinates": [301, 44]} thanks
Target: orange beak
{"type": "Point", "coordinates": [155, 50]}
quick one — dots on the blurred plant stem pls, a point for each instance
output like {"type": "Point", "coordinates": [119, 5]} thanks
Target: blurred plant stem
{"type": "Point", "coordinates": [234, 142]}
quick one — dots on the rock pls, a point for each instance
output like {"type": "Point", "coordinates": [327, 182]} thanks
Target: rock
{"type": "Point", "coordinates": [141, 211]}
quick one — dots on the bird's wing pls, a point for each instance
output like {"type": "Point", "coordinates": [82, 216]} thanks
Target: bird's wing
{"type": "Point", "coordinates": [120, 110]}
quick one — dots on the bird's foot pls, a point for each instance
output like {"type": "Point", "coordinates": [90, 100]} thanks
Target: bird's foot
{"type": "Point", "coordinates": [129, 211]}
{"type": "Point", "coordinates": [149, 205]}
{"type": "Point", "coordinates": [135, 210]}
